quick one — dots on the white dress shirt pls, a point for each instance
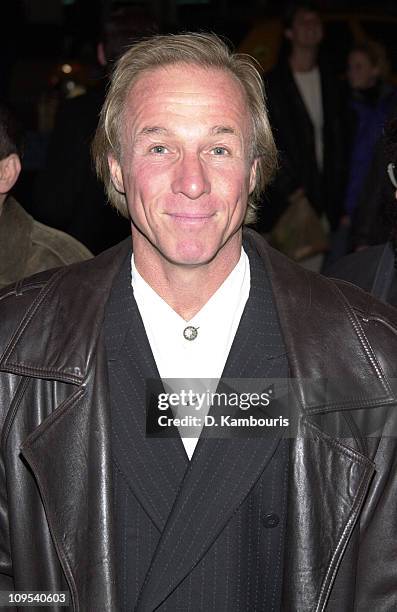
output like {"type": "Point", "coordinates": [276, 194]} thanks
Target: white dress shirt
{"type": "Point", "coordinates": [216, 324]}
{"type": "Point", "coordinates": [309, 85]}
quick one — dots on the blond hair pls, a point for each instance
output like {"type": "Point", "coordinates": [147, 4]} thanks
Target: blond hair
{"type": "Point", "coordinates": [203, 50]}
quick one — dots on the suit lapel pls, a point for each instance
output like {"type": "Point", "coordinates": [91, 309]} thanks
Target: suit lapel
{"type": "Point", "coordinates": [153, 468]}
{"type": "Point", "coordinates": [222, 471]}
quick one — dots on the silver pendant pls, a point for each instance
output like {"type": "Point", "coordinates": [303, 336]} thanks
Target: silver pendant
{"type": "Point", "coordinates": [190, 332]}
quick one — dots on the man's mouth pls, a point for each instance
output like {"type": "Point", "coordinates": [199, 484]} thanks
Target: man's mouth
{"type": "Point", "coordinates": [191, 218]}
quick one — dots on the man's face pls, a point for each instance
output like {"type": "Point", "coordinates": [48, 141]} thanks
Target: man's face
{"type": "Point", "coordinates": [306, 30]}
{"type": "Point", "coordinates": [185, 164]}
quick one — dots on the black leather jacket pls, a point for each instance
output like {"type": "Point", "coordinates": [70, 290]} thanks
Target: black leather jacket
{"type": "Point", "coordinates": [55, 476]}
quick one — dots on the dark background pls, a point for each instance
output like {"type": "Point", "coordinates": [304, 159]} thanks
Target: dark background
{"type": "Point", "coordinates": [41, 39]}
{"type": "Point", "coordinates": [39, 35]}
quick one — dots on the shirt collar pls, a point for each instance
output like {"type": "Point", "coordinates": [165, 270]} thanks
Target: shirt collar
{"type": "Point", "coordinates": [220, 303]}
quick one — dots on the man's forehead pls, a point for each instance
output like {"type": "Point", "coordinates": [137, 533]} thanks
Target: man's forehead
{"type": "Point", "coordinates": [162, 95]}
{"type": "Point", "coordinates": [188, 78]}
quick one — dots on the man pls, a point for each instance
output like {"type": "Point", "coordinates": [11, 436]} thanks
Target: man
{"type": "Point", "coordinates": [305, 107]}
{"type": "Point", "coordinates": [95, 505]}
{"type": "Point", "coordinates": [26, 246]}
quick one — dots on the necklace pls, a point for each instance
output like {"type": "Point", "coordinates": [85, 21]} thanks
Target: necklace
{"type": "Point", "coordinates": [190, 333]}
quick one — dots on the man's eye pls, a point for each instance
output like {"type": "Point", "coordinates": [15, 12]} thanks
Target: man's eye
{"type": "Point", "coordinates": [219, 151]}
{"type": "Point", "coordinates": [159, 149]}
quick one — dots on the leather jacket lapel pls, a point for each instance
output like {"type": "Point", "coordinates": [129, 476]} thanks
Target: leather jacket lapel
{"type": "Point", "coordinates": [69, 454]}
{"type": "Point", "coordinates": [328, 484]}
{"type": "Point", "coordinates": [329, 474]}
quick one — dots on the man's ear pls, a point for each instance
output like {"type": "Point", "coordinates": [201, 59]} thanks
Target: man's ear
{"type": "Point", "coordinates": [10, 167]}
{"type": "Point", "coordinates": [253, 171]}
{"type": "Point", "coordinates": [116, 174]}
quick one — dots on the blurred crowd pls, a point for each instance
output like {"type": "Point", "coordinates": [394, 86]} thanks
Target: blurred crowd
{"type": "Point", "coordinates": [326, 200]}
{"type": "Point", "coordinates": [331, 195]}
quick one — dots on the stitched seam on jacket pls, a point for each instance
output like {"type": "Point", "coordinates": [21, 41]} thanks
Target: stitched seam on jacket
{"type": "Point", "coordinates": [25, 370]}
{"type": "Point", "coordinates": [363, 338]}
{"type": "Point", "coordinates": [362, 490]}
{"type": "Point", "coordinates": [336, 557]}
{"type": "Point", "coordinates": [351, 404]}
{"type": "Point", "coordinates": [62, 554]}
{"type": "Point", "coordinates": [16, 291]}
{"type": "Point", "coordinates": [346, 450]}
{"type": "Point", "coordinates": [382, 322]}
{"type": "Point", "coordinates": [31, 312]}
{"type": "Point", "coordinates": [361, 441]}
{"type": "Point", "coordinates": [14, 405]}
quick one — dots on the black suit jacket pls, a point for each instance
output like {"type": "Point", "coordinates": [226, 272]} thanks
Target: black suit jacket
{"type": "Point", "coordinates": [219, 520]}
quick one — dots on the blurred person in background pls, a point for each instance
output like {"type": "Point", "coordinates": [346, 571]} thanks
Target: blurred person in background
{"type": "Point", "coordinates": [370, 222]}
{"type": "Point", "coordinates": [68, 194]}
{"type": "Point", "coordinates": [375, 268]}
{"type": "Point", "coordinates": [371, 98]}
{"type": "Point", "coordinates": [305, 105]}
{"type": "Point", "coordinates": [26, 246]}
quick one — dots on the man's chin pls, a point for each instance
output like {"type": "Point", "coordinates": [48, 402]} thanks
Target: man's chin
{"type": "Point", "coordinates": [191, 259]}
{"type": "Point", "coordinates": [191, 254]}
{"type": "Point", "coordinates": [200, 252]}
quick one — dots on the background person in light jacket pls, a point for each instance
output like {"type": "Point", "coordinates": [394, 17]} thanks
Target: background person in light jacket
{"type": "Point", "coordinates": [26, 246]}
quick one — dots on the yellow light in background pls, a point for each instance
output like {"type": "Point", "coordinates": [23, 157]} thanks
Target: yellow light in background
{"type": "Point", "coordinates": [66, 68]}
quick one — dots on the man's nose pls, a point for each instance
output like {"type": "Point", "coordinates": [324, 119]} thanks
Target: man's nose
{"type": "Point", "coordinates": [191, 178]}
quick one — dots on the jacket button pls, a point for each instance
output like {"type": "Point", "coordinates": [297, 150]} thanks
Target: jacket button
{"type": "Point", "coordinates": [271, 520]}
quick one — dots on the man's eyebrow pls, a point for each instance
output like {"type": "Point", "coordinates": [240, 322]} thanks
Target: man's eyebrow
{"type": "Point", "coordinates": [222, 129]}
{"type": "Point", "coordinates": [162, 131]}
{"type": "Point", "coordinates": [153, 129]}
